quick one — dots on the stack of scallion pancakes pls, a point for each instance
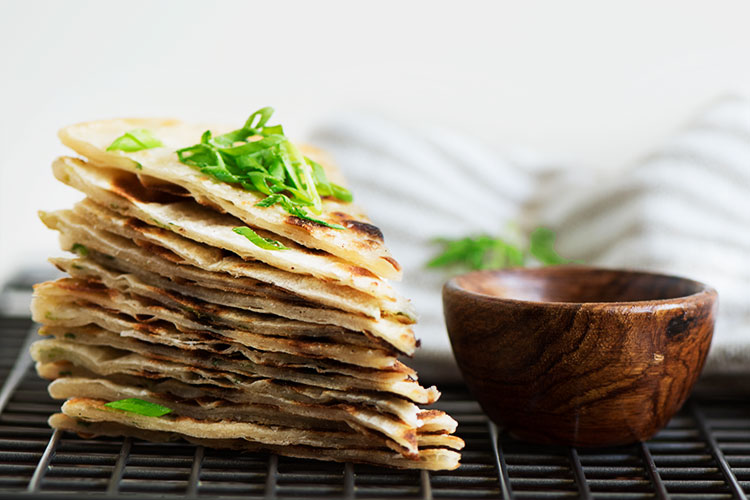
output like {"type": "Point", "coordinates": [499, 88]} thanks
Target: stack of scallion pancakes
{"type": "Point", "coordinates": [226, 291]}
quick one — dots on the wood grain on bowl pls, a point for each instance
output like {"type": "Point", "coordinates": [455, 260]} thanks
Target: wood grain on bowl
{"type": "Point", "coordinates": [578, 355]}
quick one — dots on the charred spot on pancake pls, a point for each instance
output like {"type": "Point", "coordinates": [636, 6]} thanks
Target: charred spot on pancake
{"type": "Point", "coordinates": [392, 262]}
{"type": "Point", "coordinates": [429, 414]}
{"type": "Point", "coordinates": [361, 271]}
{"type": "Point", "coordinates": [83, 285]}
{"type": "Point", "coordinates": [135, 224]}
{"type": "Point", "coordinates": [372, 232]}
{"type": "Point", "coordinates": [130, 187]}
{"type": "Point", "coordinates": [365, 228]}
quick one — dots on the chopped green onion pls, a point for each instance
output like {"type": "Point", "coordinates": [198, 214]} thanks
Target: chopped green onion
{"type": "Point", "coordinates": [482, 252]}
{"type": "Point", "coordinates": [321, 179]}
{"type": "Point", "coordinates": [80, 249]}
{"type": "Point", "coordinates": [326, 188]}
{"type": "Point", "coordinates": [542, 247]}
{"type": "Point", "coordinates": [294, 209]}
{"type": "Point", "coordinates": [263, 114]}
{"type": "Point", "coordinates": [135, 140]}
{"type": "Point", "coordinates": [139, 406]}
{"type": "Point", "coordinates": [258, 240]}
{"type": "Point", "coordinates": [260, 158]}
{"type": "Point", "coordinates": [341, 193]}
{"type": "Point", "coordinates": [486, 252]}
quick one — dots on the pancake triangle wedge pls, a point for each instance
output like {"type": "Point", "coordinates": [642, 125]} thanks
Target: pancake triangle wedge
{"type": "Point", "coordinates": [363, 245]}
{"type": "Point", "coordinates": [226, 291]}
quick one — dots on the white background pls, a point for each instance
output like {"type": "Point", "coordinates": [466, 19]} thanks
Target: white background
{"type": "Point", "coordinates": [595, 84]}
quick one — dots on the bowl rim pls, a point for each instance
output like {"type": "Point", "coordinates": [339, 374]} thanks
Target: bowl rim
{"type": "Point", "coordinates": [704, 290]}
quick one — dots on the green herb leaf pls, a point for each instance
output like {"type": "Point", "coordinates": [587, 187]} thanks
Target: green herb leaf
{"type": "Point", "coordinates": [326, 188]}
{"type": "Point", "coordinates": [542, 247]}
{"type": "Point", "coordinates": [135, 140]}
{"type": "Point", "coordinates": [321, 179]}
{"type": "Point", "coordinates": [258, 240]}
{"type": "Point", "coordinates": [80, 249]}
{"type": "Point", "coordinates": [259, 157]}
{"type": "Point", "coordinates": [481, 252]}
{"type": "Point", "coordinates": [293, 208]}
{"type": "Point", "coordinates": [139, 406]}
{"type": "Point", "coordinates": [263, 115]}
{"type": "Point", "coordinates": [341, 192]}
{"type": "Point", "coordinates": [486, 252]}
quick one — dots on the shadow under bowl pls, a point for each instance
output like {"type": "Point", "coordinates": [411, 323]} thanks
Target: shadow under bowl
{"type": "Point", "coordinates": [578, 355]}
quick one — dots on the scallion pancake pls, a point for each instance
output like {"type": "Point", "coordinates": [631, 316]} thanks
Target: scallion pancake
{"type": "Point", "coordinates": [262, 391]}
{"type": "Point", "coordinates": [360, 243]}
{"type": "Point", "coordinates": [59, 303]}
{"type": "Point", "coordinates": [190, 368]}
{"type": "Point", "coordinates": [168, 291]}
{"type": "Point", "coordinates": [428, 458]}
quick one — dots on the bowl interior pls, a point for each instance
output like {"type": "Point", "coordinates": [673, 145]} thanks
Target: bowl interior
{"type": "Point", "coordinates": [577, 285]}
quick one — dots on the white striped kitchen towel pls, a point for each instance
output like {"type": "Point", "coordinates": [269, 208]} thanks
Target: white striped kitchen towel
{"type": "Point", "coordinates": [684, 209]}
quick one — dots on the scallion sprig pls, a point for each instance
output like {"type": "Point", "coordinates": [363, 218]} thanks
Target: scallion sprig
{"type": "Point", "coordinates": [135, 140]}
{"type": "Point", "coordinates": [258, 240]}
{"type": "Point", "coordinates": [258, 157]}
{"type": "Point", "coordinates": [542, 247]}
{"type": "Point", "coordinates": [289, 205]}
{"type": "Point", "coordinates": [487, 252]}
{"type": "Point", "coordinates": [139, 406]}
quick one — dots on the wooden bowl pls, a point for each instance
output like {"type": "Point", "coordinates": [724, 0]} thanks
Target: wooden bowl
{"type": "Point", "coordinates": [578, 355]}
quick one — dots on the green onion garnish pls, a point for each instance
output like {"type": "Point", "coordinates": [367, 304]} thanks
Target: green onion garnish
{"type": "Point", "coordinates": [135, 140]}
{"type": "Point", "coordinates": [80, 249]}
{"type": "Point", "coordinates": [258, 240]}
{"type": "Point", "coordinates": [326, 188]}
{"type": "Point", "coordinates": [139, 406]}
{"type": "Point", "coordinates": [258, 157]}
{"type": "Point", "coordinates": [486, 252]}
{"type": "Point", "coordinates": [482, 252]}
{"type": "Point", "coordinates": [542, 247]}
{"type": "Point", "coordinates": [293, 209]}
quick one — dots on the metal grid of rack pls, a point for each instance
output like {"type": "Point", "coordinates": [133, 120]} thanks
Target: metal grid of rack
{"type": "Point", "coordinates": [703, 453]}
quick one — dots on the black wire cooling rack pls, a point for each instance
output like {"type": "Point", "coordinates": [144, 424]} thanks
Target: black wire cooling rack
{"type": "Point", "coordinates": [704, 453]}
